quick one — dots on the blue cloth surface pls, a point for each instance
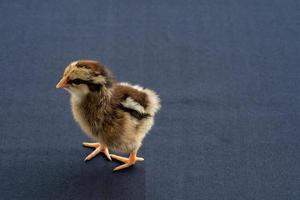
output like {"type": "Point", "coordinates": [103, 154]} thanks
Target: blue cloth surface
{"type": "Point", "coordinates": [227, 73]}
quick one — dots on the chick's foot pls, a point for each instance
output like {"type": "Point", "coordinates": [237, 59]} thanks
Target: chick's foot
{"type": "Point", "coordinates": [128, 161]}
{"type": "Point", "coordinates": [98, 148]}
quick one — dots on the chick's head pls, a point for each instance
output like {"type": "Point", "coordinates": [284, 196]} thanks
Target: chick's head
{"type": "Point", "coordinates": [84, 76]}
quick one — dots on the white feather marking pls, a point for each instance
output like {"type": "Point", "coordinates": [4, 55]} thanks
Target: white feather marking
{"type": "Point", "coordinates": [154, 100]}
{"type": "Point", "coordinates": [132, 104]}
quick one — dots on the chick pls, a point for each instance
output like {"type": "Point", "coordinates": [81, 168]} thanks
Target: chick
{"type": "Point", "coordinates": [116, 115]}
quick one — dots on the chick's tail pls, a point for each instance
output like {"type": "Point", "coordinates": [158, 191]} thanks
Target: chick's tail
{"type": "Point", "coordinates": [154, 102]}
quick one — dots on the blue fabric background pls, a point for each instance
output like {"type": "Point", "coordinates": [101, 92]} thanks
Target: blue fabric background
{"type": "Point", "coordinates": [227, 73]}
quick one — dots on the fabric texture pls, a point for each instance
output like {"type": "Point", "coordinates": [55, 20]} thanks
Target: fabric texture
{"type": "Point", "coordinates": [227, 73]}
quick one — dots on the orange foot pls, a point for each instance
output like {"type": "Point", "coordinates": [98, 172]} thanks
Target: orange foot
{"type": "Point", "coordinates": [98, 148]}
{"type": "Point", "coordinates": [128, 161]}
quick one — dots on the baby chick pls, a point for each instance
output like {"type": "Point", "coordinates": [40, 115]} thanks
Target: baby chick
{"type": "Point", "coordinates": [116, 115]}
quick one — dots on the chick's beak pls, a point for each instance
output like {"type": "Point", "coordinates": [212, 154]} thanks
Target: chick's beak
{"type": "Point", "coordinates": [62, 83]}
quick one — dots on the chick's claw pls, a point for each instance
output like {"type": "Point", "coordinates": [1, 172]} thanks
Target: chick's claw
{"type": "Point", "coordinates": [128, 161]}
{"type": "Point", "coordinates": [123, 159]}
{"type": "Point", "coordinates": [98, 149]}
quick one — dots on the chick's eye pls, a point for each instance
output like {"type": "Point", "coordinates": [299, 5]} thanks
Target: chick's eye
{"type": "Point", "coordinates": [76, 81]}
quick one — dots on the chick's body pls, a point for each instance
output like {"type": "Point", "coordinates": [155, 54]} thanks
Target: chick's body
{"type": "Point", "coordinates": [117, 115]}
{"type": "Point", "coordinates": [107, 120]}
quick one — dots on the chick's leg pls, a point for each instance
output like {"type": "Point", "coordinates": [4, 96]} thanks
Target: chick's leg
{"type": "Point", "coordinates": [128, 161]}
{"type": "Point", "coordinates": [98, 148]}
